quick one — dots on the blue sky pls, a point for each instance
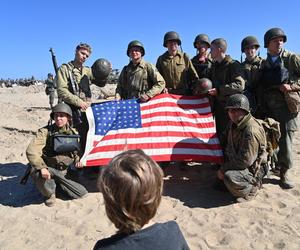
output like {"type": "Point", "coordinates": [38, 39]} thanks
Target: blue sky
{"type": "Point", "coordinates": [30, 28]}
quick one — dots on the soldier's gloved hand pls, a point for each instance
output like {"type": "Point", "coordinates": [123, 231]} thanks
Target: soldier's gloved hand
{"type": "Point", "coordinates": [144, 98]}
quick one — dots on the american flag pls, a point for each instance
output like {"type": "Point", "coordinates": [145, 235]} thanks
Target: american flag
{"type": "Point", "coordinates": [167, 128]}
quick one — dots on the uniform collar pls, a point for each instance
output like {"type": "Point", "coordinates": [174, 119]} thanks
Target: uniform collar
{"type": "Point", "coordinates": [227, 59]}
{"type": "Point", "coordinates": [257, 59]}
{"type": "Point", "coordinates": [243, 123]}
{"type": "Point", "coordinates": [178, 53]}
{"type": "Point", "coordinates": [141, 64]}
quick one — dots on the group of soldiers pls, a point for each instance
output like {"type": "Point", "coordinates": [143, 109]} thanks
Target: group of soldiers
{"type": "Point", "coordinates": [241, 95]}
{"type": "Point", "coordinates": [19, 82]}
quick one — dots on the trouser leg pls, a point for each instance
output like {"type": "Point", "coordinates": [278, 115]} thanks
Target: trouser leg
{"type": "Point", "coordinates": [83, 128]}
{"type": "Point", "coordinates": [51, 99]}
{"type": "Point", "coordinates": [285, 154]}
{"type": "Point", "coordinates": [239, 182]}
{"type": "Point", "coordinates": [222, 120]}
{"type": "Point", "coordinates": [46, 187]}
{"type": "Point", "coordinates": [70, 187]}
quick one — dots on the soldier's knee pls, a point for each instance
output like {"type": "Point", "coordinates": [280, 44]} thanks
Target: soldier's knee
{"type": "Point", "coordinates": [229, 176]}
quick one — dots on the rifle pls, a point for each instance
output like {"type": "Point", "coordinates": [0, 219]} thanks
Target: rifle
{"type": "Point", "coordinates": [77, 119]}
{"type": "Point", "coordinates": [25, 177]}
{"type": "Point", "coordinates": [54, 60]}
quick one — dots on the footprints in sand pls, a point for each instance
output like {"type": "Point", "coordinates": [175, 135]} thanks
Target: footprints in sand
{"type": "Point", "coordinates": [217, 239]}
{"type": "Point", "coordinates": [295, 192]}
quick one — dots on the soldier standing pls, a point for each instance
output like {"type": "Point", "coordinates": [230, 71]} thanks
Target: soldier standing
{"type": "Point", "coordinates": [281, 79]}
{"type": "Point", "coordinates": [245, 151]}
{"type": "Point", "coordinates": [73, 81]}
{"type": "Point", "coordinates": [73, 77]}
{"type": "Point", "coordinates": [202, 61]}
{"type": "Point", "coordinates": [251, 70]}
{"type": "Point", "coordinates": [50, 89]}
{"type": "Point", "coordinates": [139, 79]}
{"type": "Point", "coordinates": [73, 85]}
{"type": "Point", "coordinates": [226, 76]}
{"type": "Point", "coordinates": [176, 67]}
{"type": "Point", "coordinates": [51, 165]}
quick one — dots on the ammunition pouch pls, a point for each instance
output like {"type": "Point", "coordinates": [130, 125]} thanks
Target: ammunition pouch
{"type": "Point", "coordinates": [63, 143]}
{"type": "Point", "coordinates": [293, 101]}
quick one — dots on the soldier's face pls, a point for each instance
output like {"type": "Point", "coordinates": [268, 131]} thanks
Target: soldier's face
{"type": "Point", "coordinates": [275, 46]}
{"type": "Point", "coordinates": [214, 51]}
{"type": "Point", "coordinates": [61, 119]}
{"type": "Point", "coordinates": [201, 47]}
{"type": "Point", "coordinates": [236, 115]}
{"type": "Point", "coordinates": [172, 45]}
{"type": "Point", "coordinates": [250, 52]}
{"type": "Point", "coordinates": [81, 55]}
{"type": "Point", "coordinates": [135, 53]}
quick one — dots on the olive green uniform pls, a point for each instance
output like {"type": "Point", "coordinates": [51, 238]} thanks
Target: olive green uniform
{"type": "Point", "coordinates": [82, 79]}
{"type": "Point", "coordinates": [178, 72]}
{"type": "Point", "coordinates": [41, 154]}
{"type": "Point", "coordinates": [135, 81]}
{"type": "Point", "coordinates": [227, 79]}
{"type": "Point", "coordinates": [73, 88]}
{"type": "Point", "coordinates": [251, 73]}
{"type": "Point", "coordinates": [202, 67]}
{"type": "Point", "coordinates": [50, 90]}
{"type": "Point", "coordinates": [285, 69]}
{"type": "Point", "coordinates": [246, 143]}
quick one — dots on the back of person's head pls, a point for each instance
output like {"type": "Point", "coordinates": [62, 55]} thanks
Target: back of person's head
{"type": "Point", "coordinates": [220, 43]}
{"type": "Point", "coordinates": [131, 186]}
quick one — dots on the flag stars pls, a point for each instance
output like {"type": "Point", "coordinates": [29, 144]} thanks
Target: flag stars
{"type": "Point", "coordinates": [112, 116]}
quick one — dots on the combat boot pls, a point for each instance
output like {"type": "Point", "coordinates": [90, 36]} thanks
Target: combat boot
{"type": "Point", "coordinates": [250, 196]}
{"type": "Point", "coordinates": [284, 181]}
{"type": "Point", "coordinates": [50, 202]}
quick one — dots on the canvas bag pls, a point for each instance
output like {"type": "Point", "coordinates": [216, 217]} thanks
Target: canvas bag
{"type": "Point", "coordinates": [66, 143]}
{"type": "Point", "coordinates": [292, 99]}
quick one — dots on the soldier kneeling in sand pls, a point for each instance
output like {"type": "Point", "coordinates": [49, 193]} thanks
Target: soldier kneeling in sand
{"type": "Point", "coordinates": [245, 151]}
{"type": "Point", "coordinates": [53, 153]}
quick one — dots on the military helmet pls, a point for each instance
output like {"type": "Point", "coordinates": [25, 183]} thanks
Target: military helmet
{"type": "Point", "coordinates": [203, 38]}
{"type": "Point", "coordinates": [249, 41]}
{"type": "Point", "coordinates": [135, 43]}
{"type": "Point", "coordinates": [273, 33]}
{"type": "Point", "coordinates": [204, 84]}
{"type": "Point", "coordinates": [50, 75]}
{"type": "Point", "coordinates": [101, 68]}
{"type": "Point", "coordinates": [61, 107]}
{"type": "Point", "coordinates": [170, 36]}
{"type": "Point", "coordinates": [238, 101]}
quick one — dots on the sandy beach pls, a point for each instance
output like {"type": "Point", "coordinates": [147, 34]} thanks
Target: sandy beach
{"type": "Point", "coordinates": [209, 219]}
